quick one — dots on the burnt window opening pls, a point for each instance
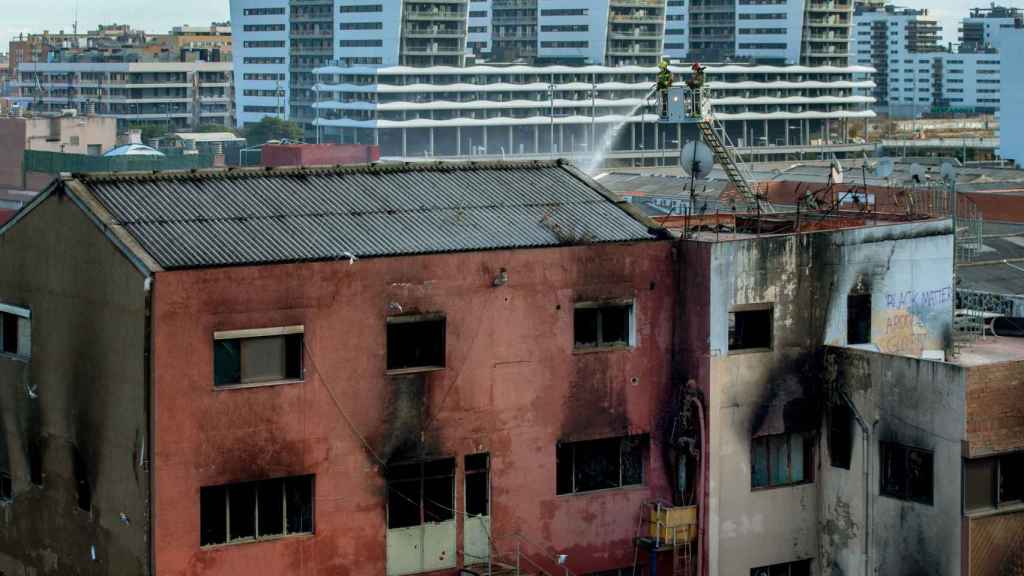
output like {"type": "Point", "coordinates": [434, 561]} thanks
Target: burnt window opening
{"type": "Point", "coordinates": [992, 483]}
{"type": "Point", "coordinates": [252, 511]}
{"type": "Point", "coordinates": [781, 460]}
{"type": "Point", "coordinates": [252, 357]}
{"type": "Point", "coordinates": [35, 462]}
{"type": "Point", "coordinates": [6, 487]}
{"type": "Point", "coordinates": [478, 484]}
{"type": "Point", "coordinates": [603, 324]}
{"type": "Point", "coordinates": [858, 319]}
{"type": "Point", "coordinates": [840, 436]}
{"type": "Point", "coordinates": [599, 464]}
{"type": "Point", "coordinates": [82, 489]}
{"type": "Point", "coordinates": [416, 343]}
{"type": "Point", "coordinates": [421, 493]}
{"type": "Point", "coordinates": [751, 328]}
{"type": "Point", "coordinates": [907, 473]}
{"type": "Point", "coordinates": [798, 568]}
{"type": "Point", "coordinates": [15, 331]}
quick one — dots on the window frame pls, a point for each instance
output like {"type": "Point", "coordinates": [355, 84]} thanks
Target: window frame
{"type": "Point", "coordinates": [422, 479]}
{"type": "Point", "coordinates": [757, 307]}
{"type": "Point", "coordinates": [904, 491]}
{"type": "Point", "coordinates": [810, 445]}
{"type": "Point", "coordinates": [23, 319]}
{"type": "Point", "coordinates": [759, 570]}
{"type": "Point", "coordinates": [644, 447]}
{"type": "Point", "coordinates": [413, 319]}
{"type": "Point", "coordinates": [601, 345]}
{"type": "Point", "coordinates": [852, 301]}
{"type": "Point", "coordinates": [257, 333]}
{"type": "Point", "coordinates": [256, 506]}
{"type": "Point", "coordinates": [996, 503]}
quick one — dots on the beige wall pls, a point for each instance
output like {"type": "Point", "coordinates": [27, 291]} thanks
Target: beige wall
{"type": "Point", "coordinates": [74, 135]}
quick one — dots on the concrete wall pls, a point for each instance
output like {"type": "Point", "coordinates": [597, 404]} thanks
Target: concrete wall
{"type": "Point", "coordinates": [513, 387]}
{"type": "Point", "coordinates": [906, 267]}
{"type": "Point", "coordinates": [917, 403]}
{"type": "Point", "coordinates": [82, 396]}
{"type": "Point", "coordinates": [12, 142]}
{"type": "Point", "coordinates": [74, 136]}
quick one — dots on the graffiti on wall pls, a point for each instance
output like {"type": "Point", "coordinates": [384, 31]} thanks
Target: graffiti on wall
{"type": "Point", "coordinates": [906, 317]}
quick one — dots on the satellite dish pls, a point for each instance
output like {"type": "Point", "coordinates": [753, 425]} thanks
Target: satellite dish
{"type": "Point", "coordinates": [884, 168]}
{"type": "Point", "coordinates": [948, 172]}
{"type": "Point", "coordinates": [917, 173]}
{"type": "Point", "coordinates": [697, 160]}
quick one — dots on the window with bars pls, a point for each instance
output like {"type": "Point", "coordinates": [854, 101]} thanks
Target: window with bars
{"type": "Point", "coordinates": [253, 511]}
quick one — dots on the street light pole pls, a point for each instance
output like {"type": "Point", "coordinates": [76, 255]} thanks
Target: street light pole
{"type": "Point", "coordinates": [551, 97]}
{"type": "Point", "coordinates": [316, 91]}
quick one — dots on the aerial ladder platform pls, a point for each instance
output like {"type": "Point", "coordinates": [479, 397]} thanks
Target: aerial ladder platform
{"type": "Point", "coordinates": [691, 104]}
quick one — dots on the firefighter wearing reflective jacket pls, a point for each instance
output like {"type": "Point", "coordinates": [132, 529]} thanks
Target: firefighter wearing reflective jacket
{"type": "Point", "coordinates": [664, 83]}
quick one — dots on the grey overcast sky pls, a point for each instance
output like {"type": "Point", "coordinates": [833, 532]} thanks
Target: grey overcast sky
{"type": "Point", "coordinates": [160, 15]}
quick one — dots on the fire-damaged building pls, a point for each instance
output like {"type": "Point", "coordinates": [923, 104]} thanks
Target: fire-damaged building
{"type": "Point", "coordinates": [499, 368]}
{"type": "Point", "coordinates": [379, 369]}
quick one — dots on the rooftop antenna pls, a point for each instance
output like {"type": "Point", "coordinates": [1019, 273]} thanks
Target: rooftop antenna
{"type": "Point", "coordinates": [74, 27]}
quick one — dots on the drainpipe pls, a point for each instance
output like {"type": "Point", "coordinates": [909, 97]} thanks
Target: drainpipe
{"type": "Point", "coordinates": [866, 433]}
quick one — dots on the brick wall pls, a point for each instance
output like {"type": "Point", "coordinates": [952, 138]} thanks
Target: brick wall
{"type": "Point", "coordinates": [995, 414]}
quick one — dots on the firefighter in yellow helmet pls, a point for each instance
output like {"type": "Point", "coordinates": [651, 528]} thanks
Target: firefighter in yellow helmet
{"type": "Point", "coordinates": [664, 83]}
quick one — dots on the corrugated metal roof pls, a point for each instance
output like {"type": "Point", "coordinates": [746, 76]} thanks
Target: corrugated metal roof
{"type": "Point", "coordinates": [259, 216]}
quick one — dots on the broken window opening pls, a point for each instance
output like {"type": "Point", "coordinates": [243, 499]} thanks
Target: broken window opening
{"type": "Point", "coordinates": [750, 328]}
{"type": "Point", "coordinates": [6, 487]}
{"type": "Point", "coordinates": [421, 493]}
{"type": "Point", "coordinates": [840, 436]}
{"type": "Point", "coordinates": [858, 319]}
{"type": "Point", "coordinates": [907, 473]}
{"type": "Point", "coordinates": [35, 461]}
{"type": "Point", "coordinates": [478, 484]}
{"type": "Point", "coordinates": [599, 464]}
{"type": "Point", "coordinates": [603, 324]}
{"type": "Point", "coordinates": [252, 511]}
{"type": "Point", "coordinates": [782, 460]}
{"type": "Point", "coordinates": [415, 343]}
{"type": "Point", "coordinates": [82, 489]}
{"type": "Point", "coordinates": [995, 482]}
{"type": "Point", "coordinates": [15, 331]}
{"type": "Point", "coordinates": [798, 568]}
{"type": "Point", "coordinates": [250, 357]}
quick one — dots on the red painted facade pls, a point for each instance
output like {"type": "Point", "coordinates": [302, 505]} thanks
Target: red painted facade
{"type": "Point", "coordinates": [514, 386]}
{"type": "Point", "coordinates": [318, 154]}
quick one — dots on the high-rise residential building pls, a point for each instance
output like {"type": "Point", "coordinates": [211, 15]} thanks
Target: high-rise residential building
{"type": "Point", "coordinates": [176, 94]}
{"type": "Point", "coordinates": [575, 110]}
{"type": "Point", "coordinates": [899, 43]}
{"type": "Point", "coordinates": [984, 28]}
{"type": "Point", "coordinates": [914, 74]}
{"type": "Point", "coordinates": [261, 58]}
{"type": "Point", "coordinates": [435, 33]}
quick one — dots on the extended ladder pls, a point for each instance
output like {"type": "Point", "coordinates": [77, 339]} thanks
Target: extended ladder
{"type": "Point", "coordinates": [717, 139]}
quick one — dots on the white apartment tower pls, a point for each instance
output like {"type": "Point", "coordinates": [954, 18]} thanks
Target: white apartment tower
{"type": "Point", "coordinates": [901, 44]}
{"type": "Point", "coordinates": [260, 29]}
